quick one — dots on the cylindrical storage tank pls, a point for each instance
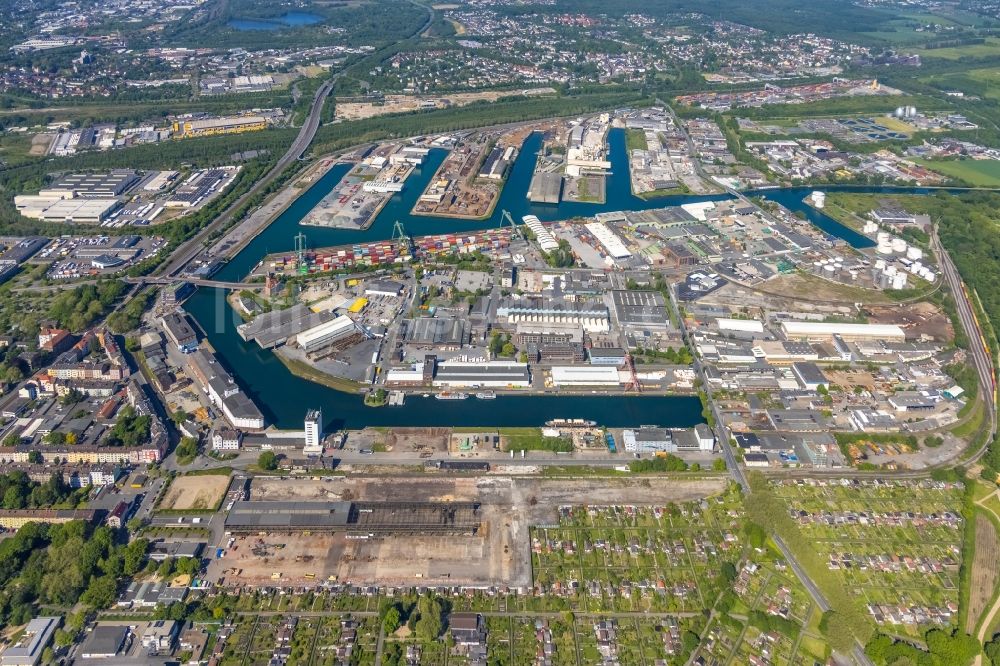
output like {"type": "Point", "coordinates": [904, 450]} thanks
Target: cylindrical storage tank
{"type": "Point", "coordinates": [890, 270]}
{"type": "Point", "coordinates": [879, 264]}
{"type": "Point", "coordinates": [829, 270]}
{"type": "Point", "coordinates": [817, 264]}
{"type": "Point", "coordinates": [870, 227]}
{"type": "Point", "coordinates": [899, 281]}
{"type": "Point", "coordinates": [883, 236]}
{"type": "Point", "coordinates": [853, 274]}
{"type": "Point", "coordinates": [914, 253]}
{"type": "Point", "coordinates": [930, 276]}
{"type": "Point", "coordinates": [884, 248]}
{"type": "Point", "coordinates": [898, 245]}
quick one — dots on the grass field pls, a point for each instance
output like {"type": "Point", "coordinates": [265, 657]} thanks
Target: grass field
{"type": "Point", "coordinates": [990, 47]}
{"type": "Point", "coordinates": [979, 173]}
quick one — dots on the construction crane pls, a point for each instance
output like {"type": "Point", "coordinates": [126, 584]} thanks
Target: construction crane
{"type": "Point", "coordinates": [633, 383]}
{"type": "Point", "coordinates": [399, 234]}
{"type": "Point", "coordinates": [506, 217]}
{"type": "Point", "coordinates": [300, 253]}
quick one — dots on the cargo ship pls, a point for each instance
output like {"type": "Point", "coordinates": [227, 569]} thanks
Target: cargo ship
{"type": "Point", "coordinates": [447, 395]}
{"type": "Point", "coordinates": [570, 423]}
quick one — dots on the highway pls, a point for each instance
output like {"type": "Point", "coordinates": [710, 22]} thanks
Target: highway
{"type": "Point", "coordinates": [192, 247]}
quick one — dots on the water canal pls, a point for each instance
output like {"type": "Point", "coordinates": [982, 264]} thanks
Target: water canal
{"type": "Point", "coordinates": [284, 398]}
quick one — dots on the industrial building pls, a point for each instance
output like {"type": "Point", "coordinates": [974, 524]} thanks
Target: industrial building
{"type": "Point", "coordinates": [223, 391]}
{"type": "Point", "coordinates": [609, 240]}
{"type": "Point", "coordinates": [593, 318]}
{"type": "Point", "coordinates": [73, 210]}
{"type": "Point", "coordinates": [272, 329]}
{"type": "Point", "coordinates": [314, 433]}
{"type": "Point", "coordinates": [107, 185]}
{"type": "Point", "coordinates": [34, 638]}
{"type": "Point", "coordinates": [545, 188]}
{"type": "Point", "coordinates": [814, 330]}
{"type": "Point", "coordinates": [437, 332]}
{"type": "Point", "coordinates": [15, 519]}
{"type": "Point", "coordinates": [640, 309]}
{"type": "Point", "coordinates": [253, 517]}
{"type": "Point", "coordinates": [492, 374]}
{"type": "Point", "coordinates": [545, 240]}
{"type": "Point", "coordinates": [180, 332]}
{"type": "Point", "coordinates": [328, 333]}
{"type": "Point", "coordinates": [662, 440]}
{"type": "Point", "coordinates": [201, 185]}
{"type": "Point", "coordinates": [809, 375]}
{"type": "Point", "coordinates": [223, 125]}
{"type": "Point", "coordinates": [592, 375]}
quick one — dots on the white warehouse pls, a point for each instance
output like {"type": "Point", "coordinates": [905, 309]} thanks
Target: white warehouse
{"type": "Point", "coordinates": [591, 375]}
{"type": "Point", "coordinates": [820, 330]}
{"type": "Point", "coordinates": [326, 334]}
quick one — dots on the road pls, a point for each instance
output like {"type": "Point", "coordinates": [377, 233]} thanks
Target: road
{"type": "Point", "coordinates": [192, 247]}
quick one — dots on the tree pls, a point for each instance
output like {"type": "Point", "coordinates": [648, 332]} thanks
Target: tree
{"type": "Point", "coordinates": [508, 349]}
{"type": "Point", "coordinates": [101, 592]}
{"type": "Point", "coordinates": [429, 625]}
{"type": "Point", "coordinates": [268, 461]}
{"type": "Point", "coordinates": [719, 465]}
{"type": "Point", "coordinates": [187, 449]}
{"type": "Point", "coordinates": [179, 417]}
{"type": "Point", "coordinates": [391, 621]}
{"type": "Point", "coordinates": [12, 439]}
{"type": "Point", "coordinates": [35, 457]}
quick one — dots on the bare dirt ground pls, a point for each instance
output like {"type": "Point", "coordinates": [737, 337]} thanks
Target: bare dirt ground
{"type": "Point", "coordinates": [407, 103]}
{"type": "Point", "coordinates": [417, 440]}
{"type": "Point", "coordinates": [811, 288]}
{"type": "Point", "coordinates": [40, 144]}
{"type": "Point", "coordinates": [847, 379]}
{"type": "Point", "coordinates": [916, 319]}
{"type": "Point", "coordinates": [497, 555]}
{"type": "Point", "coordinates": [195, 492]}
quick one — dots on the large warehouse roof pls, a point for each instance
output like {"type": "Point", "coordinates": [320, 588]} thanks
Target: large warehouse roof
{"type": "Point", "coordinates": [372, 517]}
{"type": "Point", "coordinates": [797, 329]}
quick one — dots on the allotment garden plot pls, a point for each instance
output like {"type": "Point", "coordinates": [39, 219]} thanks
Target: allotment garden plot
{"type": "Point", "coordinates": [894, 544]}
{"type": "Point", "coordinates": [664, 558]}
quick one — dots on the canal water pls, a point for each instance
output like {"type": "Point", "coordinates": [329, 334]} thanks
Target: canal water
{"type": "Point", "coordinates": [284, 398]}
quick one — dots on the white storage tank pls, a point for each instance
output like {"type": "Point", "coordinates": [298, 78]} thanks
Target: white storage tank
{"type": "Point", "coordinates": [899, 281]}
{"type": "Point", "coordinates": [879, 264]}
{"type": "Point", "coordinates": [818, 199]}
{"type": "Point", "coordinates": [884, 247]}
{"type": "Point", "coordinates": [914, 253]}
{"type": "Point", "coordinates": [890, 270]}
{"type": "Point", "coordinates": [829, 270]}
{"type": "Point", "coordinates": [870, 227]}
{"type": "Point", "coordinates": [898, 245]}
{"type": "Point", "coordinates": [883, 237]}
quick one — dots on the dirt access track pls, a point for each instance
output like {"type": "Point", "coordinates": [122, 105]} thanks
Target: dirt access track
{"type": "Point", "coordinates": [498, 555]}
{"type": "Point", "coordinates": [195, 492]}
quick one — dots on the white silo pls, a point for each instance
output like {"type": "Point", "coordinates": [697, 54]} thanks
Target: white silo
{"type": "Point", "coordinates": [883, 237]}
{"type": "Point", "coordinates": [818, 198]}
{"type": "Point", "coordinates": [899, 281]}
{"type": "Point", "coordinates": [879, 264]}
{"type": "Point", "coordinates": [870, 227]}
{"type": "Point", "coordinates": [884, 247]}
{"type": "Point", "coordinates": [898, 245]}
